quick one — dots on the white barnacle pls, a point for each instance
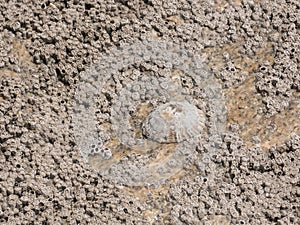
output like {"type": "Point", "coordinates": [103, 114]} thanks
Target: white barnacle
{"type": "Point", "coordinates": [174, 122]}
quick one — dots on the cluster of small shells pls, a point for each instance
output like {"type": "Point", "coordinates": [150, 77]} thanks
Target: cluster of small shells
{"type": "Point", "coordinates": [142, 110]}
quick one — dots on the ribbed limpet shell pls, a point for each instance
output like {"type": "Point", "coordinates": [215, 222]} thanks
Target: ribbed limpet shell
{"type": "Point", "coordinates": [174, 122]}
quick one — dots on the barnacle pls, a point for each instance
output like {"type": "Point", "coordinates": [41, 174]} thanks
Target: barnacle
{"type": "Point", "coordinates": [144, 110]}
{"type": "Point", "coordinates": [174, 122]}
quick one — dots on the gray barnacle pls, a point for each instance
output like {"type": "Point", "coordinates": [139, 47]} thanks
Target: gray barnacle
{"type": "Point", "coordinates": [174, 122]}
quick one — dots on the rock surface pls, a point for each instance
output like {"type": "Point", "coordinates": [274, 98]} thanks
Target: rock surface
{"type": "Point", "coordinates": [251, 47]}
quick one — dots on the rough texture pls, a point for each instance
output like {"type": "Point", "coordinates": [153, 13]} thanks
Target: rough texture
{"type": "Point", "coordinates": [252, 47]}
{"type": "Point", "coordinates": [122, 146]}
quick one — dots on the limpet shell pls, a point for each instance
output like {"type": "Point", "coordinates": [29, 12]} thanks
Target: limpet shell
{"type": "Point", "coordinates": [174, 122]}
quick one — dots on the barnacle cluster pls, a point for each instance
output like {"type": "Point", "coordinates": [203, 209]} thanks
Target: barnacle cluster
{"type": "Point", "coordinates": [143, 109]}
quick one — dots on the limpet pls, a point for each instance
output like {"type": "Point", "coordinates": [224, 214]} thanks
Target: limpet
{"type": "Point", "coordinates": [174, 122]}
